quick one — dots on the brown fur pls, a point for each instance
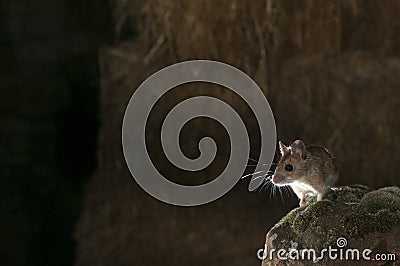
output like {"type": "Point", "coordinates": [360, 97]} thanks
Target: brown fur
{"type": "Point", "coordinates": [314, 170]}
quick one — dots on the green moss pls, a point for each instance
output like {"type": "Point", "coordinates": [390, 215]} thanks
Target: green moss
{"type": "Point", "coordinates": [363, 222]}
{"type": "Point", "coordinates": [385, 220]}
{"type": "Point", "coordinates": [360, 223]}
{"type": "Point", "coordinates": [288, 219]}
{"type": "Point", "coordinates": [357, 191]}
{"type": "Point", "coordinates": [352, 193]}
{"type": "Point", "coordinates": [352, 212]}
{"type": "Point", "coordinates": [378, 212]}
{"type": "Point", "coordinates": [331, 205]}
{"type": "Point", "coordinates": [393, 190]}
{"type": "Point", "coordinates": [382, 199]}
{"type": "Point", "coordinates": [310, 213]}
{"type": "Point", "coordinates": [331, 237]}
{"type": "Point", "coordinates": [301, 222]}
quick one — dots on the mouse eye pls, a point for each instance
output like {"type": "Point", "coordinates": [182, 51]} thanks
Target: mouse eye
{"type": "Point", "coordinates": [289, 167]}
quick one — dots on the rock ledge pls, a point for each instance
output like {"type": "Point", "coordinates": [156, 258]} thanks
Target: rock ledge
{"type": "Point", "coordinates": [358, 217]}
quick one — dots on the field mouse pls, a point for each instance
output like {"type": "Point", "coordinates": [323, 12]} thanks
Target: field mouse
{"type": "Point", "coordinates": [307, 170]}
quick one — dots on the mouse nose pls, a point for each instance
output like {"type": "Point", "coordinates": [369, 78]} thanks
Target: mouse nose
{"type": "Point", "coordinates": [277, 179]}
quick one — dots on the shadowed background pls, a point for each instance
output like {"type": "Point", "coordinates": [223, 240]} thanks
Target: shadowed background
{"type": "Point", "coordinates": [330, 71]}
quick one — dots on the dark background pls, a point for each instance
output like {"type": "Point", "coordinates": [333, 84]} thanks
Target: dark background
{"type": "Point", "coordinates": [48, 113]}
{"type": "Point", "coordinates": [330, 70]}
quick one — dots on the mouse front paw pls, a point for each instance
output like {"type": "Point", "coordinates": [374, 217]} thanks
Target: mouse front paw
{"type": "Point", "coordinates": [302, 202]}
{"type": "Point", "coordinates": [319, 197]}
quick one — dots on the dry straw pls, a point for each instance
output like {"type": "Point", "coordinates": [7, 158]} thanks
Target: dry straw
{"type": "Point", "coordinates": [330, 70]}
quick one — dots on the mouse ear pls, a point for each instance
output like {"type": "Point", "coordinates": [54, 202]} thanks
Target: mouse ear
{"type": "Point", "coordinates": [283, 148]}
{"type": "Point", "coordinates": [298, 148]}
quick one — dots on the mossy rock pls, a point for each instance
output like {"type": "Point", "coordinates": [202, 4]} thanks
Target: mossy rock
{"type": "Point", "coordinates": [352, 212]}
{"type": "Point", "coordinates": [382, 199]}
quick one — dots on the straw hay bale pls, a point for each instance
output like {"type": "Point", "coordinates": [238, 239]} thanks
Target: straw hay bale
{"type": "Point", "coordinates": [330, 73]}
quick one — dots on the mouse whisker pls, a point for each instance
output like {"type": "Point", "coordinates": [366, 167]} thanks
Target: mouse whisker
{"type": "Point", "coordinates": [291, 191]}
{"type": "Point", "coordinates": [268, 184]}
{"type": "Point", "coordinates": [258, 163]}
{"type": "Point", "coordinates": [254, 165]}
{"type": "Point", "coordinates": [284, 188]}
{"type": "Point", "coordinates": [259, 172]}
{"type": "Point", "coordinates": [253, 160]}
{"type": "Point", "coordinates": [263, 185]}
{"type": "Point", "coordinates": [273, 192]}
{"type": "Point", "coordinates": [280, 192]}
{"type": "Point", "coordinates": [260, 185]}
{"type": "Point", "coordinates": [260, 176]}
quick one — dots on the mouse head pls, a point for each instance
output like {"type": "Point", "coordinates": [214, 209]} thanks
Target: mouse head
{"type": "Point", "coordinates": [291, 166]}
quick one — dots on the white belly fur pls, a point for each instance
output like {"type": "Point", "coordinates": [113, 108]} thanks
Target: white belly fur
{"type": "Point", "coordinates": [305, 188]}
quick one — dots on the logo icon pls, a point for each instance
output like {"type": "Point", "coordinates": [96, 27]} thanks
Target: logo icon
{"type": "Point", "coordinates": [341, 242]}
{"type": "Point", "coordinates": [152, 89]}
